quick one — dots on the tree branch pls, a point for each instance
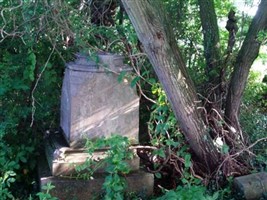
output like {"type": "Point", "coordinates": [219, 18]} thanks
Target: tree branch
{"type": "Point", "coordinates": [248, 53]}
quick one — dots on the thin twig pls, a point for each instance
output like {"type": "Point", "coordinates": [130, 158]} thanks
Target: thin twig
{"type": "Point", "coordinates": [36, 84]}
{"type": "Point", "coordinates": [233, 156]}
{"type": "Point", "coordinates": [3, 17]}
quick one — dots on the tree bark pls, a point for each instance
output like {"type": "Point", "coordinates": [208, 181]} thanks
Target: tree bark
{"type": "Point", "coordinates": [246, 56]}
{"type": "Point", "coordinates": [214, 90]}
{"type": "Point", "coordinates": [210, 31]}
{"type": "Point", "coordinates": [157, 38]}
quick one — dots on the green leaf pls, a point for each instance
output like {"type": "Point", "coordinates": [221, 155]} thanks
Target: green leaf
{"type": "Point", "coordinates": [160, 152]}
{"type": "Point", "coordinates": [152, 81]}
{"type": "Point", "coordinates": [121, 76]}
{"type": "Point", "coordinates": [134, 81]}
{"type": "Point", "coordinates": [23, 159]}
{"type": "Point", "coordinates": [11, 180]}
{"type": "Point", "coordinates": [10, 196]}
{"type": "Point", "coordinates": [225, 149]}
{"type": "Point", "coordinates": [187, 160]}
{"type": "Point", "coordinates": [29, 71]}
{"type": "Point", "coordinates": [158, 175]}
{"type": "Point", "coordinates": [215, 195]}
{"type": "Point", "coordinates": [170, 142]}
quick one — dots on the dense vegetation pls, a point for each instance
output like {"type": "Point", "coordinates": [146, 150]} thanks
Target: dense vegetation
{"type": "Point", "coordinates": [38, 37]}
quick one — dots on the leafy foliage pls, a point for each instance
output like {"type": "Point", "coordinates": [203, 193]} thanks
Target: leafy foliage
{"type": "Point", "coordinates": [26, 60]}
{"type": "Point", "coordinates": [254, 96]}
{"type": "Point", "coordinates": [6, 179]}
{"type": "Point", "coordinates": [115, 162]}
{"type": "Point", "coordinates": [254, 119]}
{"type": "Point", "coordinates": [188, 193]}
{"type": "Point", "coordinates": [45, 194]}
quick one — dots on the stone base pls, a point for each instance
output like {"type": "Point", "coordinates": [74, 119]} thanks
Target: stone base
{"type": "Point", "coordinates": [138, 182]}
{"type": "Point", "coordinates": [62, 159]}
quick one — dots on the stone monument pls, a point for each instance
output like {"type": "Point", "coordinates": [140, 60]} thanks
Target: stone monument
{"type": "Point", "coordinates": [93, 104]}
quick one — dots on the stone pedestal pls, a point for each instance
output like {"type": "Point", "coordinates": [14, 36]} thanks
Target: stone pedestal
{"type": "Point", "coordinates": [94, 104]}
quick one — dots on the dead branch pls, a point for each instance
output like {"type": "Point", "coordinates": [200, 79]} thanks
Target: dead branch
{"type": "Point", "coordinates": [232, 158]}
{"type": "Point", "coordinates": [36, 84]}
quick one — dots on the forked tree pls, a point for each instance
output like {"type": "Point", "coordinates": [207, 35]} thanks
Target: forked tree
{"type": "Point", "coordinates": [151, 25]}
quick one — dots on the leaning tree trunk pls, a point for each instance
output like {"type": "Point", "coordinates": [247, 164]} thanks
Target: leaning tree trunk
{"type": "Point", "coordinates": [157, 38]}
{"type": "Point", "coordinates": [246, 56]}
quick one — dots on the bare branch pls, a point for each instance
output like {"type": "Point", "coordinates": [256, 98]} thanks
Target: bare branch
{"type": "Point", "coordinates": [36, 84]}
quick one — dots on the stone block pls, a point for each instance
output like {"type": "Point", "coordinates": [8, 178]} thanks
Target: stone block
{"type": "Point", "coordinates": [251, 187]}
{"type": "Point", "coordinates": [63, 160]}
{"type": "Point", "coordinates": [95, 104]}
{"type": "Point", "coordinates": [68, 162]}
{"type": "Point", "coordinates": [73, 189]}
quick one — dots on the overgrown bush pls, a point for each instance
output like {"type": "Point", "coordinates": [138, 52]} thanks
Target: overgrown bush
{"type": "Point", "coordinates": [115, 163]}
{"type": "Point", "coordinates": [188, 193]}
{"type": "Point", "coordinates": [30, 87]}
{"type": "Point", "coordinates": [254, 119]}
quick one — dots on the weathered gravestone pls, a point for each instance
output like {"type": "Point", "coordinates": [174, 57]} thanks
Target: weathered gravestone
{"type": "Point", "coordinates": [93, 104]}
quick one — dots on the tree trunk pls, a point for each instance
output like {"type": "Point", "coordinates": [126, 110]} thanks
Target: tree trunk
{"type": "Point", "coordinates": [212, 52]}
{"type": "Point", "coordinates": [214, 90]}
{"type": "Point", "coordinates": [211, 37]}
{"type": "Point", "coordinates": [157, 38]}
{"type": "Point", "coordinates": [246, 56]}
